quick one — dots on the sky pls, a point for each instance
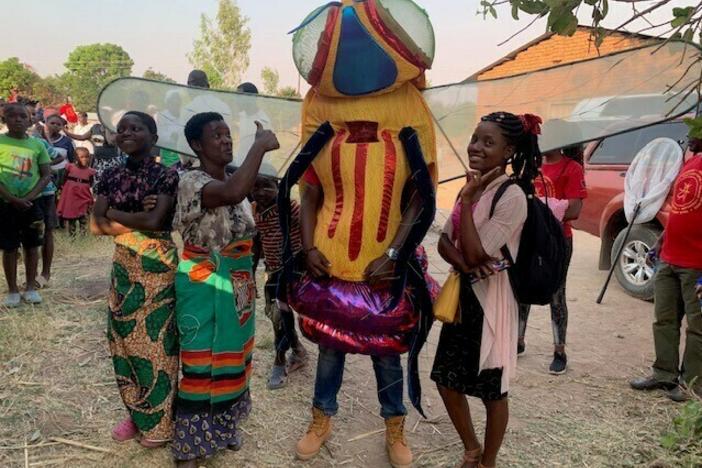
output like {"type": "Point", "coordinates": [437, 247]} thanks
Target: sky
{"type": "Point", "coordinates": [159, 33]}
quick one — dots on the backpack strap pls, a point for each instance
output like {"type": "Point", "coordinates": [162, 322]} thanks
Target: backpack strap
{"type": "Point", "coordinates": [498, 195]}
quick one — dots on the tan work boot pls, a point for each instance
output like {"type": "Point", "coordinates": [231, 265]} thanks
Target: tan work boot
{"type": "Point", "coordinates": [319, 431]}
{"type": "Point", "coordinates": [396, 444]}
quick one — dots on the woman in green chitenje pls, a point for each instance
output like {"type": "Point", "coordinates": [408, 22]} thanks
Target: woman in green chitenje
{"type": "Point", "coordinates": [142, 332]}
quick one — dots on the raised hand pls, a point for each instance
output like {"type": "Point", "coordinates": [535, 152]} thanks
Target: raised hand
{"type": "Point", "coordinates": [266, 138]}
{"type": "Point", "coordinates": [476, 183]}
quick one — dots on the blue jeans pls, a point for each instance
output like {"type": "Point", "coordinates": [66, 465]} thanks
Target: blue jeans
{"type": "Point", "coordinates": [330, 374]}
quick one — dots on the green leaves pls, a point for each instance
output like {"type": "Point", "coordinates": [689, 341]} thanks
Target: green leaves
{"type": "Point", "coordinates": [530, 7]}
{"type": "Point", "coordinates": [681, 16]}
{"type": "Point", "coordinates": [561, 18]}
{"type": "Point", "coordinates": [16, 75]}
{"type": "Point", "coordinates": [686, 431]}
{"type": "Point", "coordinates": [150, 74]}
{"type": "Point", "coordinates": [222, 50]}
{"type": "Point", "coordinates": [562, 22]}
{"type": "Point", "coordinates": [91, 67]}
{"type": "Point", "coordinates": [695, 126]}
{"type": "Point", "coordinates": [488, 8]}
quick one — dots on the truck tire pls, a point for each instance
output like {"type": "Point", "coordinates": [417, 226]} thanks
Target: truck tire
{"type": "Point", "coordinates": [634, 274]}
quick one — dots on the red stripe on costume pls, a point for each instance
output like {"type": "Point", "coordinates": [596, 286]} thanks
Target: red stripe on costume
{"type": "Point", "coordinates": [388, 185]}
{"type": "Point", "coordinates": [323, 46]}
{"type": "Point", "coordinates": [357, 220]}
{"type": "Point", "coordinates": [338, 182]}
{"type": "Point", "coordinates": [390, 37]}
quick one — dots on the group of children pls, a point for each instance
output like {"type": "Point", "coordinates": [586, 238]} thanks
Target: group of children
{"type": "Point", "coordinates": [37, 161]}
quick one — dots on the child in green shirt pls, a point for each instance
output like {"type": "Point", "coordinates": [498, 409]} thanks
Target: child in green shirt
{"type": "Point", "coordinates": [24, 172]}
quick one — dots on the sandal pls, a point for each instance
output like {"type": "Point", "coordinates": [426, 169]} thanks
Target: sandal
{"type": "Point", "coordinates": [471, 458]}
{"type": "Point", "coordinates": [152, 444]}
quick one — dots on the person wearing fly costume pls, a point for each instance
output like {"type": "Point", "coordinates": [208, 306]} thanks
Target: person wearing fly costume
{"type": "Point", "coordinates": [368, 177]}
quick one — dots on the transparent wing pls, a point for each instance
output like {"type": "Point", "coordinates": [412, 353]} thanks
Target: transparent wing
{"type": "Point", "coordinates": [579, 102]}
{"type": "Point", "coordinates": [650, 177]}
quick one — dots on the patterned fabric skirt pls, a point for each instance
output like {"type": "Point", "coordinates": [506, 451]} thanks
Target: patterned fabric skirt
{"type": "Point", "coordinates": [201, 434]}
{"type": "Point", "coordinates": [142, 331]}
{"type": "Point", "coordinates": [215, 315]}
{"type": "Point", "coordinates": [458, 355]}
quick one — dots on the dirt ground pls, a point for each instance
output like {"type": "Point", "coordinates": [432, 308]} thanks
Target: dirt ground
{"type": "Point", "coordinates": [56, 381]}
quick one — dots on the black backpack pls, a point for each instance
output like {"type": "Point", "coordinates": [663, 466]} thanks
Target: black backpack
{"type": "Point", "coordinates": [539, 269]}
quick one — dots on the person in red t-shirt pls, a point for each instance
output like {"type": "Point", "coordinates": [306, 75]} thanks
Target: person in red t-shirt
{"type": "Point", "coordinates": [68, 112]}
{"type": "Point", "coordinates": [675, 288]}
{"type": "Point", "coordinates": [563, 179]}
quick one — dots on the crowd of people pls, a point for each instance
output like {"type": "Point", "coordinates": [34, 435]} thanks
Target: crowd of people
{"type": "Point", "coordinates": [181, 323]}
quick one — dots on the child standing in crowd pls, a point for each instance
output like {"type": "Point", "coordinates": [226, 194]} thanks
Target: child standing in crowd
{"type": "Point", "coordinates": [47, 201]}
{"type": "Point", "coordinates": [142, 331]}
{"type": "Point", "coordinates": [478, 356]}
{"type": "Point", "coordinates": [563, 179]}
{"type": "Point", "coordinates": [24, 172]}
{"type": "Point", "coordinates": [676, 291]}
{"type": "Point", "coordinates": [76, 196]}
{"type": "Point", "coordinates": [83, 127]}
{"type": "Point", "coordinates": [53, 133]}
{"type": "Point", "coordinates": [64, 148]}
{"type": "Point", "coordinates": [268, 226]}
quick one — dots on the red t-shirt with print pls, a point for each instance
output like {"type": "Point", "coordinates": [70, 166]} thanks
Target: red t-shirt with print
{"type": "Point", "coordinates": [682, 244]}
{"type": "Point", "coordinates": [564, 180]}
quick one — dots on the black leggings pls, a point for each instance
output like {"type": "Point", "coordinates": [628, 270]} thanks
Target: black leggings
{"type": "Point", "coordinates": [559, 306]}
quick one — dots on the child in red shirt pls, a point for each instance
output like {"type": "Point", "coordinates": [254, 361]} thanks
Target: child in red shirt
{"type": "Point", "coordinates": [76, 196]}
{"type": "Point", "coordinates": [675, 290]}
{"type": "Point", "coordinates": [563, 179]}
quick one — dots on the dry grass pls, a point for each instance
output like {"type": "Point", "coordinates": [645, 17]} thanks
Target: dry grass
{"type": "Point", "coordinates": [56, 381]}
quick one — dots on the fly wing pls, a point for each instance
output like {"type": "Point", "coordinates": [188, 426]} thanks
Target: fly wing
{"type": "Point", "coordinates": [579, 102]}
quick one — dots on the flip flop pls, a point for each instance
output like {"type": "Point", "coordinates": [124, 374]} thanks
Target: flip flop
{"type": "Point", "coordinates": [152, 444]}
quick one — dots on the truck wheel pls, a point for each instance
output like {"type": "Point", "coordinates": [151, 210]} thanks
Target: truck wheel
{"type": "Point", "coordinates": [632, 271]}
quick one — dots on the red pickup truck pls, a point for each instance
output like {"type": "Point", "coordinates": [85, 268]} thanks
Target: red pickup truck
{"type": "Point", "coordinates": [606, 163]}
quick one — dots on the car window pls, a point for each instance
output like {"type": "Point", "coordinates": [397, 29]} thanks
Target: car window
{"type": "Point", "coordinates": [622, 149]}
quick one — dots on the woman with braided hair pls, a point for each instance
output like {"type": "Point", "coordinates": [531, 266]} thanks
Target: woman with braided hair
{"type": "Point", "coordinates": [478, 356]}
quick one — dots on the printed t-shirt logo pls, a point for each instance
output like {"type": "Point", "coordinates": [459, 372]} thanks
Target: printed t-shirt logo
{"type": "Point", "coordinates": [687, 196]}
